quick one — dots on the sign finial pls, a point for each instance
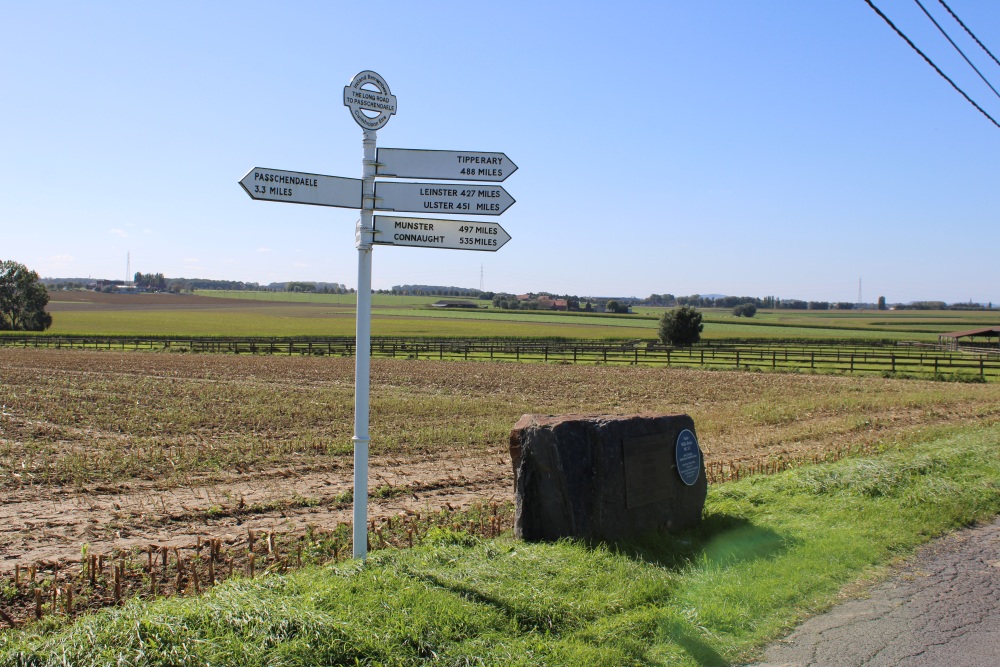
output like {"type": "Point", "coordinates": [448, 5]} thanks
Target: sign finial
{"type": "Point", "coordinates": [360, 99]}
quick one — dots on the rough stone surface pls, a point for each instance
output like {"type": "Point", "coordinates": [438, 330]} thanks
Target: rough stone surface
{"type": "Point", "coordinates": [570, 479]}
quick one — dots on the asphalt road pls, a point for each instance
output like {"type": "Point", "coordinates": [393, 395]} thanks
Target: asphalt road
{"type": "Point", "coordinates": [940, 608]}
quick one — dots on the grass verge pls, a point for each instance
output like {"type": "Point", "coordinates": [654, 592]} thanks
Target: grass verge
{"type": "Point", "coordinates": [771, 550]}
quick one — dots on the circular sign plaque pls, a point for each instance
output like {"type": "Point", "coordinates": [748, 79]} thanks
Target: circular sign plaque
{"type": "Point", "coordinates": [359, 99]}
{"type": "Point", "coordinates": [688, 457]}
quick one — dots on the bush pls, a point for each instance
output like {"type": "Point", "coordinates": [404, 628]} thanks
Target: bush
{"type": "Point", "coordinates": [681, 326]}
{"type": "Point", "coordinates": [745, 310]}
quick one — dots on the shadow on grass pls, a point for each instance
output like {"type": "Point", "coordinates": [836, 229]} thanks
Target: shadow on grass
{"type": "Point", "coordinates": [721, 539]}
{"type": "Point", "coordinates": [522, 616]}
{"type": "Point", "coordinates": [689, 639]}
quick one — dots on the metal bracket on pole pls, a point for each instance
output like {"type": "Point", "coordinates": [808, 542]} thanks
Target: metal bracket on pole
{"type": "Point", "coordinates": [360, 242]}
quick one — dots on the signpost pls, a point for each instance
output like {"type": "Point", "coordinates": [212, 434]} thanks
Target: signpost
{"type": "Point", "coordinates": [300, 188]}
{"type": "Point", "coordinates": [371, 105]}
{"type": "Point", "coordinates": [454, 165]}
{"type": "Point", "coordinates": [441, 198]}
{"type": "Point", "coordinates": [437, 233]}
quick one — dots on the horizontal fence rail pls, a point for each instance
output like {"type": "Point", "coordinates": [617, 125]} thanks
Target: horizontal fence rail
{"type": "Point", "coordinates": [883, 358]}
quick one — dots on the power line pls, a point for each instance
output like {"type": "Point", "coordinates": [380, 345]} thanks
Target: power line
{"type": "Point", "coordinates": [955, 16]}
{"type": "Point", "coordinates": [930, 62]}
{"type": "Point", "coordinates": [938, 26]}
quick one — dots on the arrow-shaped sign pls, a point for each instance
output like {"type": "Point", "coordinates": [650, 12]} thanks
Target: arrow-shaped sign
{"type": "Point", "coordinates": [441, 198]}
{"type": "Point", "coordinates": [452, 165]}
{"type": "Point", "coordinates": [436, 233]}
{"type": "Point", "coordinates": [300, 188]}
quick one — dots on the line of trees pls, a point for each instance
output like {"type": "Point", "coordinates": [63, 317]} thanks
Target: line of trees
{"type": "Point", "coordinates": [540, 301]}
{"type": "Point", "coordinates": [317, 288]}
{"type": "Point", "coordinates": [153, 282]}
{"type": "Point", "coordinates": [440, 290]}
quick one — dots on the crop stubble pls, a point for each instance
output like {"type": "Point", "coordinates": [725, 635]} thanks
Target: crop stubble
{"type": "Point", "coordinates": [122, 450]}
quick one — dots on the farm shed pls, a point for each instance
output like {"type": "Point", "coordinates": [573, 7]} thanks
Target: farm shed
{"type": "Point", "coordinates": [454, 303]}
{"type": "Point", "coordinates": [953, 339]}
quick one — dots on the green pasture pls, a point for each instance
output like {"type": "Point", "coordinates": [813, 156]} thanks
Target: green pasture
{"type": "Point", "coordinates": [282, 314]}
{"type": "Point", "coordinates": [771, 551]}
{"type": "Point", "coordinates": [287, 321]}
{"type": "Point", "coordinates": [292, 320]}
{"type": "Point", "coordinates": [395, 300]}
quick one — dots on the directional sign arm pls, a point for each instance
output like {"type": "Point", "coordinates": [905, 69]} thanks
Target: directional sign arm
{"type": "Point", "coordinates": [450, 165]}
{"type": "Point", "coordinates": [439, 233]}
{"type": "Point", "coordinates": [296, 187]}
{"type": "Point", "coordinates": [448, 198]}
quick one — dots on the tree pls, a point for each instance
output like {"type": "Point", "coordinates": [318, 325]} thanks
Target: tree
{"type": "Point", "coordinates": [745, 310]}
{"type": "Point", "coordinates": [681, 326]}
{"type": "Point", "coordinates": [22, 299]}
{"type": "Point", "coordinates": [611, 306]}
{"type": "Point", "coordinates": [881, 303]}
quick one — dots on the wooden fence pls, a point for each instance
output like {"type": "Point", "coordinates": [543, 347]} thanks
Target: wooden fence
{"type": "Point", "coordinates": [884, 358]}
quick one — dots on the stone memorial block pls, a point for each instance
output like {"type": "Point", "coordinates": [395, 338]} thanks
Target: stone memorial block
{"type": "Point", "coordinates": [606, 477]}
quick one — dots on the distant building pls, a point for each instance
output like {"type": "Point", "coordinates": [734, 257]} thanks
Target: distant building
{"type": "Point", "coordinates": [454, 303]}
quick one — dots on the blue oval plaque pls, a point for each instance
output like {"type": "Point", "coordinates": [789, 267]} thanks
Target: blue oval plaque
{"type": "Point", "coordinates": [688, 457]}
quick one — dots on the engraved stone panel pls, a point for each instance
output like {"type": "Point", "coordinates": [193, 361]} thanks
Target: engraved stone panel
{"type": "Point", "coordinates": [647, 464]}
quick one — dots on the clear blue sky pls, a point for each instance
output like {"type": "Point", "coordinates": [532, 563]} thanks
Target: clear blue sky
{"type": "Point", "coordinates": [779, 147]}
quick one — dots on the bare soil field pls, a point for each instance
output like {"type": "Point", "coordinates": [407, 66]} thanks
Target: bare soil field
{"type": "Point", "coordinates": [124, 451]}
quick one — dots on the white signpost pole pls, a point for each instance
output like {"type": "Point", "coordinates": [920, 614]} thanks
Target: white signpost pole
{"type": "Point", "coordinates": [382, 104]}
{"type": "Point", "coordinates": [362, 357]}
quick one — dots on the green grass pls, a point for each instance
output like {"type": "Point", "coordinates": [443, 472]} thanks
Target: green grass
{"type": "Point", "coordinates": [771, 551]}
{"type": "Point", "coordinates": [333, 299]}
{"type": "Point", "coordinates": [303, 314]}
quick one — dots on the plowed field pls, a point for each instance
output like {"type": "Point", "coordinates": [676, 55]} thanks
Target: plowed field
{"type": "Point", "coordinates": [124, 450]}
